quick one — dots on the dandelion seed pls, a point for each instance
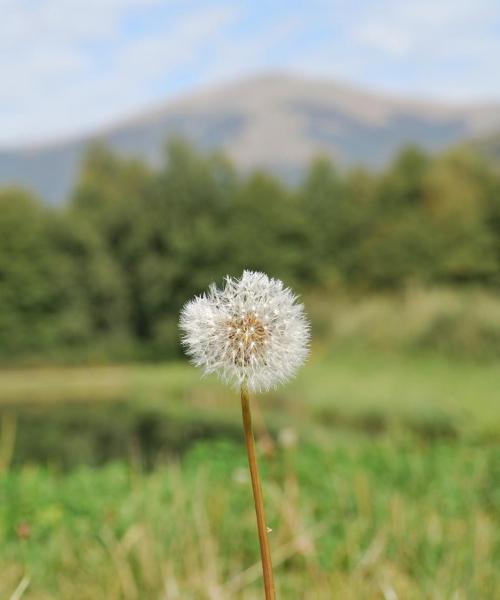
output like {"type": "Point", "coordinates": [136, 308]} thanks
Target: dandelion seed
{"type": "Point", "coordinates": [252, 331]}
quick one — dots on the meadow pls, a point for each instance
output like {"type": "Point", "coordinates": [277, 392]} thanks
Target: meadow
{"type": "Point", "coordinates": [380, 470]}
{"type": "Point", "coordinates": [123, 474]}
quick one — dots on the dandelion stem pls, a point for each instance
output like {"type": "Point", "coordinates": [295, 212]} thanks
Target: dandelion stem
{"type": "Point", "coordinates": [265, 552]}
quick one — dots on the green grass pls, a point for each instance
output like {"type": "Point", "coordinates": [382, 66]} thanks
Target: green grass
{"type": "Point", "coordinates": [380, 477]}
{"type": "Point", "coordinates": [361, 518]}
{"type": "Point", "coordinates": [345, 388]}
{"type": "Point", "coordinates": [407, 387]}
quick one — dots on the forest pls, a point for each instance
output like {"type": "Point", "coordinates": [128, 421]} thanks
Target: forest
{"type": "Point", "coordinates": [103, 276]}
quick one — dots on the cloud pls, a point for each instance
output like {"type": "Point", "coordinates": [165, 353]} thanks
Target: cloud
{"type": "Point", "coordinates": [385, 37]}
{"type": "Point", "coordinates": [79, 68]}
{"type": "Point", "coordinates": [68, 66]}
{"type": "Point", "coordinates": [447, 49]}
{"type": "Point", "coordinates": [427, 28]}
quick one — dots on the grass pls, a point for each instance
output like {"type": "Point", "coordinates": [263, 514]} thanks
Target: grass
{"type": "Point", "coordinates": [381, 479]}
{"type": "Point", "coordinates": [348, 387]}
{"type": "Point", "coordinates": [362, 518]}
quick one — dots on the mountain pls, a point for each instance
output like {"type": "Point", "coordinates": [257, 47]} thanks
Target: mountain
{"type": "Point", "coordinates": [275, 121]}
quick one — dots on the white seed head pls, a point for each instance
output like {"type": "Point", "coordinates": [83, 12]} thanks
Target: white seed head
{"type": "Point", "coordinates": [253, 331]}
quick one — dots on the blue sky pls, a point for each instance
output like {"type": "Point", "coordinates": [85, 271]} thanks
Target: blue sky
{"type": "Point", "coordinates": [68, 66]}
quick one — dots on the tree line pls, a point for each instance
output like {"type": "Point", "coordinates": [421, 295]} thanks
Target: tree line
{"type": "Point", "coordinates": [105, 274]}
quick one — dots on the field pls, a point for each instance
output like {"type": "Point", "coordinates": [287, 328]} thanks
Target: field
{"type": "Point", "coordinates": [381, 476]}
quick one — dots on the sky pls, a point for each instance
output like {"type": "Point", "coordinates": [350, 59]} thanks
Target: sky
{"type": "Point", "coordinates": [73, 66]}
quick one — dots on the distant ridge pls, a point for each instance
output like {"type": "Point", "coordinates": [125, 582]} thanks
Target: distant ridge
{"type": "Point", "coordinates": [275, 121]}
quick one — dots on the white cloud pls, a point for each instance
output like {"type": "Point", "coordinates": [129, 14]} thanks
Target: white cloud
{"type": "Point", "coordinates": [72, 65]}
{"type": "Point", "coordinates": [385, 37]}
{"type": "Point", "coordinates": [446, 49]}
{"type": "Point", "coordinates": [49, 68]}
{"type": "Point", "coordinates": [427, 28]}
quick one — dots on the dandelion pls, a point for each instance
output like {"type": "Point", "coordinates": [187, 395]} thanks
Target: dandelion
{"type": "Point", "coordinates": [253, 334]}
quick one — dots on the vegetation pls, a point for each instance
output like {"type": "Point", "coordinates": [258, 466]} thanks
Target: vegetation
{"type": "Point", "coordinates": [363, 518]}
{"type": "Point", "coordinates": [91, 415]}
{"type": "Point", "coordinates": [104, 276]}
{"type": "Point", "coordinates": [130, 482]}
{"type": "Point", "coordinates": [124, 477]}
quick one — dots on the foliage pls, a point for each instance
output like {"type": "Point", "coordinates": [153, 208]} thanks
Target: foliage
{"type": "Point", "coordinates": [105, 275]}
{"type": "Point", "coordinates": [360, 518]}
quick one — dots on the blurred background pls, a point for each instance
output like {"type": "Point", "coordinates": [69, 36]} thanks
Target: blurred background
{"type": "Point", "coordinates": [149, 148]}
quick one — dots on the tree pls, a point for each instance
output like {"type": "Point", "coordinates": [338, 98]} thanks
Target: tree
{"type": "Point", "coordinates": [458, 204]}
{"type": "Point", "coordinates": [36, 297]}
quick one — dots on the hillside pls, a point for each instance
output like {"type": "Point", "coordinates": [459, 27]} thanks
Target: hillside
{"type": "Point", "coordinates": [274, 121]}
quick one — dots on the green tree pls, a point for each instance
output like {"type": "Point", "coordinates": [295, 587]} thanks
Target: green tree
{"type": "Point", "coordinates": [36, 296]}
{"type": "Point", "coordinates": [268, 230]}
{"type": "Point", "coordinates": [109, 204]}
{"type": "Point", "coordinates": [458, 200]}
{"type": "Point", "coordinates": [178, 240]}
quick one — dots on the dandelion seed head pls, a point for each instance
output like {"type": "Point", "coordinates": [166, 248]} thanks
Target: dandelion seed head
{"type": "Point", "coordinates": [252, 331]}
